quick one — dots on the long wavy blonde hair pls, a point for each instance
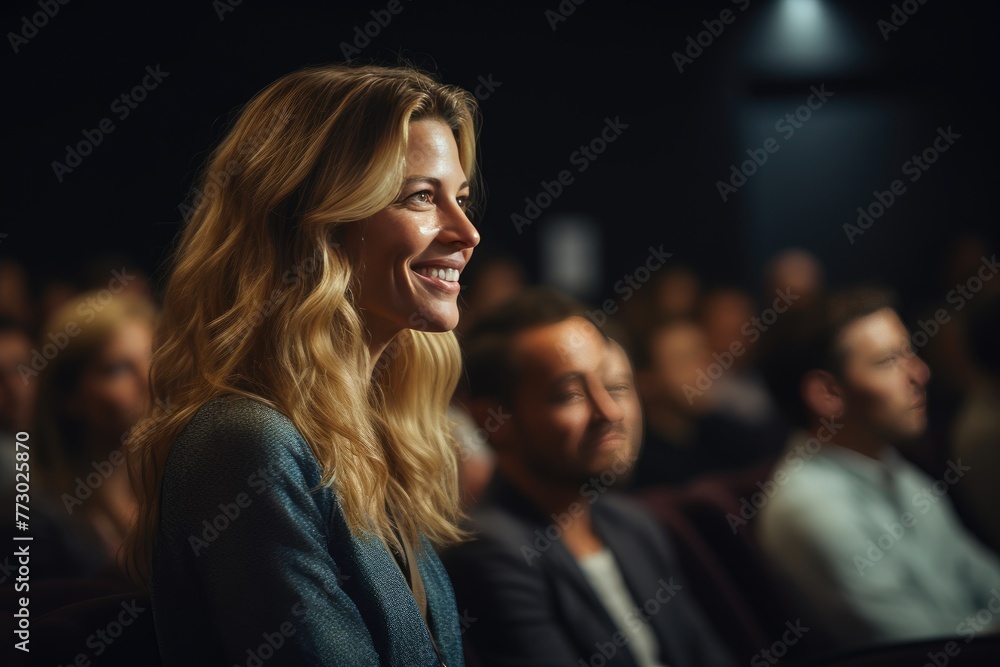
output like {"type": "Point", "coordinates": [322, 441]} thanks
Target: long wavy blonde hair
{"type": "Point", "coordinates": [259, 303]}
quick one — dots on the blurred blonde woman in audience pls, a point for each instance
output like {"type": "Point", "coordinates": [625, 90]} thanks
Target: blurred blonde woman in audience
{"type": "Point", "coordinates": [91, 391]}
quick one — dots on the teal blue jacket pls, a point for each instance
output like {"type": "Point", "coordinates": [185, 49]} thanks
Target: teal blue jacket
{"type": "Point", "coordinates": [250, 568]}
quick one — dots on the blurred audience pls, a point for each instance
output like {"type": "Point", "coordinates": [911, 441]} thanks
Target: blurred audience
{"type": "Point", "coordinates": [549, 422]}
{"type": "Point", "coordinates": [940, 333]}
{"type": "Point", "coordinates": [488, 282]}
{"type": "Point", "coordinates": [976, 434]}
{"type": "Point", "coordinates": [475, 458]}
{"type": "Point", "coordinates": [491, 282]}
{"type": "Point", "coordinates": [673, 293]}
{"type": "Point", "coordinates": [15, 301]}
{"type": "Point", "coordinates": [668, 363]}
{"type": "Point", "coordinates": [93, 386]}
{"type": "Point", "coordinates": [685, 437]}
{"type": "Point", "coordinates": [563, 568]}
{"type": "Point", "coordinates": [869, 547]}
{"type": "Point", "coordinates": [119, 273]}
{"type": "Point", "coordinates": [796, 271]}
{"type": "Point", "coordinates": [55, 292]}
{"type": "Point", "coordinates": [17, 400]}
{"type": "Point", "coordinates": [17, 386]}
{"type": "Point", "coordinates": [676, 292]}
{"type": "Point", "coordinates": [728, 317]}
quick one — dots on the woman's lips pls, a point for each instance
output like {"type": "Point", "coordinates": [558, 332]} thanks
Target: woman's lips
{"type": "Point", "coordinates": [447, 286]}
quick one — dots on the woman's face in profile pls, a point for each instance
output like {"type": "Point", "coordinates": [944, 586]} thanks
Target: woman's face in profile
{"type": "Point", "coordinates": [415, 249]}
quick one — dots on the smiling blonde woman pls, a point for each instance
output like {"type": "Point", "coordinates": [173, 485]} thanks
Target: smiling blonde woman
{"type": "Point", "coordinates": [296, 471]}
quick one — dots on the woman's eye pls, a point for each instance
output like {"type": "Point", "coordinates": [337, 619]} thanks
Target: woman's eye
{"type": "Point", "coordinates": [422, 197]}
{"type": "Point", "coordinates": [464, 201]}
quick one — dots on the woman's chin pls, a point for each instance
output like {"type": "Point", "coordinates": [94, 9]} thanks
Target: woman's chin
{"type": "Point", "coordinates": [437, 327]}
{"type": "Point", "coordinates": [435, 320]}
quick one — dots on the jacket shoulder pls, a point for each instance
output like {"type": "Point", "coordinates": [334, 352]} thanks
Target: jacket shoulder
{"type": "Point", "coordinates": [239, 425]}
{"type": "Point", "coordinates": [624, 510]}
{"type": "Point", "coordinates": [497, 526]}
{"type": "Point", "coordinates": [233, 441]}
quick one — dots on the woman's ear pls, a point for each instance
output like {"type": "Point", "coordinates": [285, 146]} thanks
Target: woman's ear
{"type": "Point", "coordinates": [822, 394]}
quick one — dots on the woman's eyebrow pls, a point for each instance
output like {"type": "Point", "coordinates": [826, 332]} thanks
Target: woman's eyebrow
{"type": "Point", "coordinates": [436, 182]}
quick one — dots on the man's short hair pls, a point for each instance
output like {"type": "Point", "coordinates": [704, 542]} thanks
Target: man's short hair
{"type": "Point", "coordinates": [489, 367]}
{"type": "Point", "coordinates": [809, 338]}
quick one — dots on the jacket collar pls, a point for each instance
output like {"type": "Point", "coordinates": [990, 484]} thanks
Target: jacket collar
{"type": "Point", "coordinates": [556, 559]}
{"type": "Point", "coordinates": [503, 494]}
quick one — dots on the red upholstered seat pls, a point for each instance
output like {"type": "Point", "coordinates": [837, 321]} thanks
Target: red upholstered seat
{"type": "Point", "coordinates": [721, 560]}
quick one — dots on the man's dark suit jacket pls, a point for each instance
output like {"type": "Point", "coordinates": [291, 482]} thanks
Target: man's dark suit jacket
{"type": "Point", "coordinates": [523, 599]}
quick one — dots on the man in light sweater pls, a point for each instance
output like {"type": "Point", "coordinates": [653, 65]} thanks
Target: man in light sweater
{"type": "Point", "coordinates": [868, 545]}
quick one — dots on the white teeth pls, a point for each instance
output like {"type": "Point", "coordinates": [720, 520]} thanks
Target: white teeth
{"type": "Point", "coordinates": [448, 275]}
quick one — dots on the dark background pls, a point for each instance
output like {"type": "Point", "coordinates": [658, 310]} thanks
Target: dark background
{"type": "Point", "coordinates": [656, 184]}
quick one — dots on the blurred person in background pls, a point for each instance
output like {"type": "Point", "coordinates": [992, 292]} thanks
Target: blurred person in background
{"type": "Point", "coordinates": [796, 271]}
{"type": "Point", "coordinates": [118, 272]}
{"type": "Point", "coordinates": [563, 570]}
{"type": "Point", "coordinates": [17, 400]}
{"type": "Point", "coordinates": [673, 293]}
{"type": "Point", "coordinates": [676, 292]}
{"type": "Point", "coordinates": [975, 437]}
{"type": "Point", "coordinates": [54, 292]}
{"type": "Point", "coordinates": [731, 321]}
{"type": "Point", "coordinates": [866, 545]}
{"type": "Point", "coordinates": [18, 386]}
{"type": "Point", "coordinates": [491, 282]}
{"type": "Point", "coordinates": [685, 438]}
{"type": "Point", "coordinates": [15, 301]}
{"type": "Point", "coordinates": [668, 362]}
{"type": "Point", "coordinates": [966, 277]}
{"type": "Point", "coordinates": [475, 458]}
{"type": "Point", "coordinates": [92, 390]}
